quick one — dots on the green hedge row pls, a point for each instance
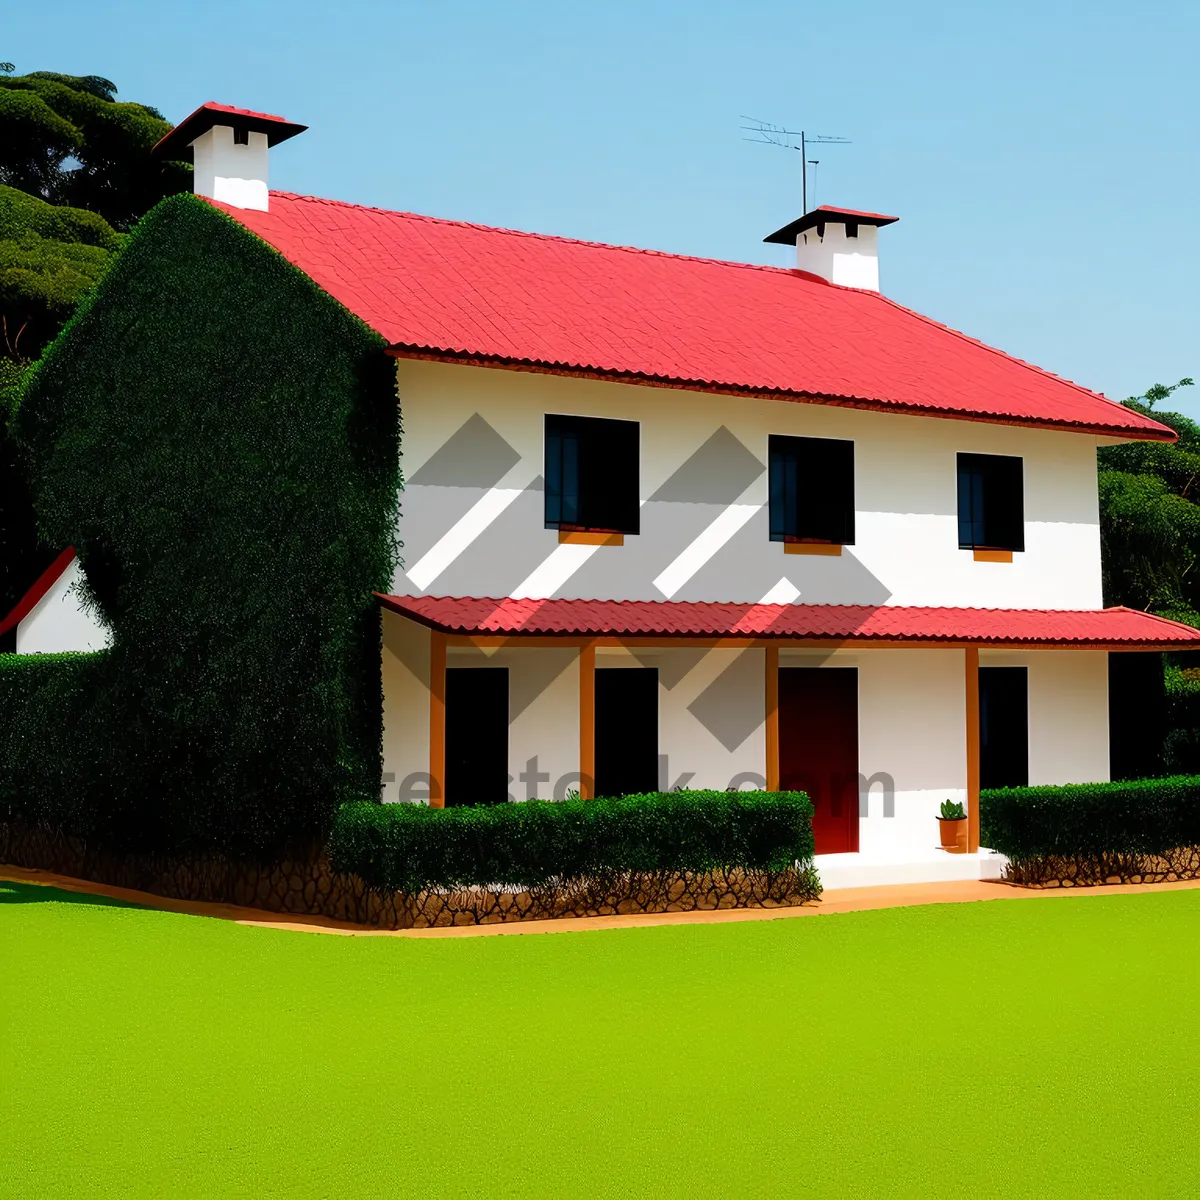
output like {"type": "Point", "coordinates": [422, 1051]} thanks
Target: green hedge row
{"type": "Point", "coordinates": [410, 847]}
{"type": "Point", "coordinates": [1181, 741]}
{"type": "Point", "coordinates": [1087, 820]}
{"type": "Point", "coordinates": [56, 715]}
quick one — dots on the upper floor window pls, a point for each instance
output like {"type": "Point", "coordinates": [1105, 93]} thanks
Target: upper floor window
{"type": "Point", "coordinates": [991, 502]}
{"type": "Point", "coordinates": [592, 474]}
{"type": "Point", "coordinates": [812, 490]}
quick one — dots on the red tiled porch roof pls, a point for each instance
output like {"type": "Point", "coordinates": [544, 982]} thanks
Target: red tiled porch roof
{"type": "Point", "coordinates": [1109, 628]}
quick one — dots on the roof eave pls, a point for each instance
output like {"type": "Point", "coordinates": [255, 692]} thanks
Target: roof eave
{"type": "Point", "coordinates": [1152, 433]}
{"type": "Point", "coordinates": [1186, 637]}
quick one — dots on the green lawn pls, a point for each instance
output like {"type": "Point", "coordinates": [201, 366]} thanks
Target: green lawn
{"type": "Point", "coordinates": [1002, 1048]}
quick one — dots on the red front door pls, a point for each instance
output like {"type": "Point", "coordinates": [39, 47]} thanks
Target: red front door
{"type": "Point", "coordinates": [818, 749]}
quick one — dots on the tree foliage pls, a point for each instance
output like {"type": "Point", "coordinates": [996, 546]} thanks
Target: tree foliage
{"type": "Point", "coordinates": [20, 556]}
{"type": "Point", "coordinates": [49, 257]}
{"type": "Point", "coordinates": [1149, 517]}
{"type": "Point", "coordinates": [68, 140]}
{"type": "Point", "coordinates": [75, 171]}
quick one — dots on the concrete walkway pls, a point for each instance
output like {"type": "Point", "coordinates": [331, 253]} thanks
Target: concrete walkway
{"type": "Point", "coordinates": [844, 900]}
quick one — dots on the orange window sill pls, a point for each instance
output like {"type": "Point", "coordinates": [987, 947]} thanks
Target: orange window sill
{"type": "Point", "coordinates": [993, 556]}
{"type": "Point", "coordinates": [585, 537]}
{"type": "Point", "coordinates": [832, 549]}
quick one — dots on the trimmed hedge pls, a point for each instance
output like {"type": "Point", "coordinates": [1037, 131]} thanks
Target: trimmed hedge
{"type": "Point", "coordinates": [1092, 820]}
{"type": "Point", "coordinates": [411, 847]}
{"type": "Point", "coordinates": [1181, 742]}
{"type": "Point", "coordinates": [57, 712]}
{"type": "Point", "coordinates": [218, 438]}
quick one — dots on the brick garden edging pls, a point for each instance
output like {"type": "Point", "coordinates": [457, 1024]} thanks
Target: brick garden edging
{"type": "Point", "coordinates": [1070, 871]}
{"type": "Point", "coordinates": [308, 886]}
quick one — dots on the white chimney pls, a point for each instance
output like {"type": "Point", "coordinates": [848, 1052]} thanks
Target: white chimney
{"type": "Point", "coordinates": [230, 151]}
{"type": "Point", "coordinates": [838, 244]}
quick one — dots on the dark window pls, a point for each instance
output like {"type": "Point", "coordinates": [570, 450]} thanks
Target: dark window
{"type": "Point", "coordinates": [1137, 711]}
{"type": "Point", "coordinates": [241, 137]}
{"type": "Point", "coordinates": [592, 474]}
{"type": "Point", "coordinates": [852, 229]}
{"type": "Point", "coordinates": [476, 735]}
{"type": "Point", "coordinates": [1003, 727]}
{"type": "Point", "coordinates": [626, 730]}
{"type": "Point", "coordinates": [991, 502]}
{"type": "Point", "coordinates": [812, 490]}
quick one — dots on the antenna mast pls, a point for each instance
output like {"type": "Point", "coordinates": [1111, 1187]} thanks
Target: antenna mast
{"type": "Point", "coordinates": [767, 134]}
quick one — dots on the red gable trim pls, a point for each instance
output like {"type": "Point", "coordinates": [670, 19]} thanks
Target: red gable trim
{"type": "Point", "coordinates": [1110, 628]}
{"type": "Point", "coordinates": [48, 578]}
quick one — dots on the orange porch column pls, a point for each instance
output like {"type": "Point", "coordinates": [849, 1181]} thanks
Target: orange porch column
{"type": "Point", "coordinates": [587, 720]}
{"type": "Point", "coordinates": [972, 684]}
{"type": "Point", "coordinates": [772, 696]}
{"type": "Point", "coordinates": [437, 719]}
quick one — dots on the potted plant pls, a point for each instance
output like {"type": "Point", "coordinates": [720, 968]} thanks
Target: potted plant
{"type": "Point", "coordinates": [952, 824]}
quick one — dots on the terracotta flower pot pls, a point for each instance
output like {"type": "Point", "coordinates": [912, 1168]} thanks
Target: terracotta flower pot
{"type": "Point", "coordinates": [954, 835]}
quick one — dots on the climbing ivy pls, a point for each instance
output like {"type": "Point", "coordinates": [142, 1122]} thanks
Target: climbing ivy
{"type": "Point", "coordinates": [219, 440]}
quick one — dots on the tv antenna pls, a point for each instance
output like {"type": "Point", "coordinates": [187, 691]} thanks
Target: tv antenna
{"type": "Point", "coordinates": [767, 134]}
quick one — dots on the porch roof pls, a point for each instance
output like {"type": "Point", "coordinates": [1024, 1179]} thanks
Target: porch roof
{"type": "Point", "coordinates": [1109, 628]}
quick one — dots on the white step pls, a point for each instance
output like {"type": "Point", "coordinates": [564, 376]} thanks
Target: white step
{"type": "Point", "coordinates": [861, 870]}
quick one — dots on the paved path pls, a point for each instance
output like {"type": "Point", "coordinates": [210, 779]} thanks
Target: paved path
{"type": "Point", "coordinates": [842, 900]}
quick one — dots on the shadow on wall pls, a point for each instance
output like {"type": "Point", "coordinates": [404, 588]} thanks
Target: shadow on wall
{"type": "Point", "coordinates": [466, 536]}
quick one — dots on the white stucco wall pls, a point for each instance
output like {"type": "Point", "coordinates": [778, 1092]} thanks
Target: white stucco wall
{"type": "Point", "coordinates": [473, 523]}
{"type": "Point", "coordinates": [911, 706]}
{"type": "Point", "coordinates": [405, 709]}
{"type": "Point", "coordinates": [1068, 712]}
{"type": "Point", "coordinates": [912, 720]}
{"type": "Point", "coordinates": [543, 712]}
{"type": "Point", "coordinates": [59, 622]}
{"type": "Point", "coordinates": [711, 713]}
{"type": "Point", "coordinates": [543, 716]}
{"type": "Point", "coordinates": [711, 705]}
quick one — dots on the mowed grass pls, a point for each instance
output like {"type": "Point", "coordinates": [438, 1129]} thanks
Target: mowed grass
{"type": "Point", "coordinates": [1023, 1047]}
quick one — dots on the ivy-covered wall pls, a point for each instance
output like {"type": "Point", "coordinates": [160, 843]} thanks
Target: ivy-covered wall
{"type": "Point", "coordinates": [220, 442]}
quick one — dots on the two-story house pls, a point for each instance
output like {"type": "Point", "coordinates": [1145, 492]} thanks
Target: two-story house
{"type": "Point", "coordinates": [669, 521]}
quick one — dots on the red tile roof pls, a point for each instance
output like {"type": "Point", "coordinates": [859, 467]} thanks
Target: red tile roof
{"type": "Point", "coordinates": [470, 293]}
{"type": "Point", "coordinates": [1114, 628]}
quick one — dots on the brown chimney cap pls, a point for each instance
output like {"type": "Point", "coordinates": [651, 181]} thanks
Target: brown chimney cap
{"type": "Point", "coordinates": [177, 145]}
{"type": "Point", "coordinates": [826, 214]}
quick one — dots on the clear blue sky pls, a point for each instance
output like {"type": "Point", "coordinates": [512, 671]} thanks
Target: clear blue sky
{"type": "Point", "coordinates": [1042, 156]}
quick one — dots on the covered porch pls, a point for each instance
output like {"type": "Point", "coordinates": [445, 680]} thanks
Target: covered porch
{"type": "Point", "coordinates": [875, 712]}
